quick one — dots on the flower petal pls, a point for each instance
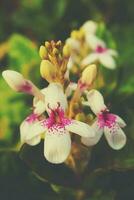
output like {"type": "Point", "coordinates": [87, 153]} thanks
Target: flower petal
{"type": "Point", "coordinates": [96, 101]}
{"type": "Point", "coordinates": [30, 132]}
{"type": "Point", "coordinates": [107, 61]}
{"type": "Point", "coordinates": [57, 145]}
{"type": "Point", "coordinates": [80, 128]}
{"type": "Point", "coordinates": [115, 137]}
{"type": "Point", "coordinates": [94, 140]}
{"type": "Point", "coordinates": [89, 27]}
{"type": "Point", "coordinates": [93, 41]}
{"type": "Point", "coordinates": [54, 95]}
{"type": "Point", "coordinates": [112, 52]}
{"type": "Point", "coordinates": [90, 59]}
{"type": "Point", "coordinates": [120, 121]}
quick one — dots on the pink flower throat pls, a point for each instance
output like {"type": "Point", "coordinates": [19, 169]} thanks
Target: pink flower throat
{"type": "Point", "coordinates": [100, 49]}
{"type": "Point", "coordinates": [56, 119]}
{"type": "Point", "coordinates": [106, 119]}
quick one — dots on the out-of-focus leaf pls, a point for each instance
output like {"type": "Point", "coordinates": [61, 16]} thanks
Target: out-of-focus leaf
{"type": "Point", "coordinates": [23, 56]}
{"type": "Point", "coordinates": [58, 174]}
{"type": "Point", "coordinates": [17, 182]}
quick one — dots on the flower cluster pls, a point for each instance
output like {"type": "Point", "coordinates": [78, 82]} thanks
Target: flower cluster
{"type": "Point", "coordinates": [58, 108]}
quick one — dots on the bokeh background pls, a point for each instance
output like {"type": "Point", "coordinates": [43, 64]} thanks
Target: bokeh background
{"type": "Point", "coordinates": [24, 26]}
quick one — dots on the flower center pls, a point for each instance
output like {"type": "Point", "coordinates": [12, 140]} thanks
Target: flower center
{"type": "Point", "coordinates": [100, 49]}
{"type": "Point", "coordinates": [56, 119]}
{"type": "Point", "coordinates": [106, 119]}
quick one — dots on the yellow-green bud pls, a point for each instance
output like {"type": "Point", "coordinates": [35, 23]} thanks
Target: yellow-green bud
{"type": "Point", "coordinates": [48, 71]}
{"type": "Point", "coordinates": [89, 75]}
{"type": "Point", "coordinates": [42, 52]}
{"type": "Point", "coordinates": [66, 50]}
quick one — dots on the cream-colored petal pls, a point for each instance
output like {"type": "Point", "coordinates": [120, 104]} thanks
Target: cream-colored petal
{"type": "Point", "coordinates": [96, 101]}
{"type": "Point", "coordinates": [89, 27]}
{"type": "Point", "coordinates": [92, 141]}
{"type": "Point", "coordinates": [120, 121]}
{"type": "Point", "coordinates": [93, 41]}
{"type": "Point", "coordinates": [34, 141]}
{"type": "Point", "coordinates": [91, 58]}
{"type": "Point", "coordinates": [57, 145]}
{"type": "Point", "coordinates": [107, 60]}
{"type": "Point", "coordinates": [112, 52]}
{"type": "Point", "coordinates": [54, 96]}
{"type": "Point", "coordinates": [73, 43]}
{"type": "Point", "coordinates": [30, 131]}
{"type": "Point", "coordinates": [80, 128]}
{"type": "Point", "coordinates": [115, 137]}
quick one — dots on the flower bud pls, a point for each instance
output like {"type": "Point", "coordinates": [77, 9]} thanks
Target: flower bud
{"type": "Point", "coordinates": [43, 52]}
{"type": "Point", "coordinates": [88, 76]}
{"type": "Point", "coordinates": [48, 71]}
{"type": "Point", "coordinates": [66, 50]}
{"type": "Point", "coordinates": [16, 80]}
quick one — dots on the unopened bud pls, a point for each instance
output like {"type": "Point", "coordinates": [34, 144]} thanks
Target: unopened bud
{"type": "Point", "coordinates": [55, 51]}
{"type": "Point", "coordinates": [66, 50]}
{"type": "Point", "coordinates": [43, 52]}
{"type": "Point", "coordinates": [59, 43]}
{"type": "Point", "coordinates": [88, 76]}
{"type": "Point", "coordinates": [16, 80]}
{"type": "Point", "coordinates": [48, 71]}
{"type": "Point", "coordinates": [74, 34]}
{"type": "Point", "coordinates": [47, 44]}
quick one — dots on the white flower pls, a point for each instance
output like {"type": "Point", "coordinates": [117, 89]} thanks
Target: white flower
{"type": "Point", "coordinates": [100, 53]}
{"type": "Point", "coordinates": [57, 142]}
{"type": "Point", "coordinates": [89, 27]}
{"type": "Point", "coordinates": [106, 122]}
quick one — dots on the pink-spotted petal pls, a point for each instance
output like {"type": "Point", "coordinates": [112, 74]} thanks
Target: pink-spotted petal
{"type": "Point", "coordinates": [96, 101]}
{"type": "Point", "coordinates": [96, 138]}
{"type": "Point", "coordinates": [107, 60]}
{"type": "Point", "coordinates": [57, 145]}
{"type": "Point", "coordinates": [80, 128]}
{"type": "Point", "coordinates": [115, 137]}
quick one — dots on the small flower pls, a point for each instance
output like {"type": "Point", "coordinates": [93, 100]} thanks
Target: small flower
{"type": "Point", "coordinates": [57, 142]}
{"type": "Point", "coordinates": [106, 122]}
{"type": "Point", "coordinates": [100, 53]}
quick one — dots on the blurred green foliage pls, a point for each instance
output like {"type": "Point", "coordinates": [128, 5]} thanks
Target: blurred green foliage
{"type": "Point", "coordinates": [24, 25]}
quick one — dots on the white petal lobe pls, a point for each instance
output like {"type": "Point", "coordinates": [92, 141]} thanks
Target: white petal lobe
{"type": "Point", "coordinates": [96, 101]}
{"type": "Point", "coordinates": [107, 61]}
{"type": "Point", "coordinates": [57, 146]}
{"type": "Point", "coordinates": [30, 131]}
{"type": "Point", "coordinates": [80, 128]}
{"type": "Point", "coordinates": [96, 138]}
{"type": "Point", "coordinates": [115, 137]}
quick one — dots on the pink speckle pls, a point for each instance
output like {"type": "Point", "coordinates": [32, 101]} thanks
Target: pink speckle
{"type": "Point", "coordinates": [26, 87]}
{"type": "Point", "coordinates": [82, 85]}
{"type": "Point", "coordinates": [56, 120]}
{"type": "Point", "coordinates": [106, 119]}
{"type": "Point", "coordinates": [32, 118]}
{"type": "Point", "coordinates": [100, 49]}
